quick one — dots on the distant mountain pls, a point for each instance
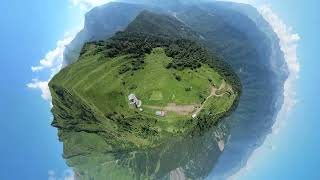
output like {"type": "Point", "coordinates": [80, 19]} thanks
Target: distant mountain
{"type": "Point", "coordinates": [101, 23]}
{"type": "Point", "coordinates": [162, 25]}
{"type": "Point", "coordinates": [261, 66]}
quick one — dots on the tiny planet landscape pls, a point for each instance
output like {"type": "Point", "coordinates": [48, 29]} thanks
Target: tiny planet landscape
{"type": "Point", "coordinates": [161, 90]}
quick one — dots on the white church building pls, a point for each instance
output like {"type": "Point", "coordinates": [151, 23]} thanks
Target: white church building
{"type": "Point", "coordinates": [133, 100]}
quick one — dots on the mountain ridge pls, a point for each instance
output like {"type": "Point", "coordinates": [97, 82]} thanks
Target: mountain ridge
{"type": "Point", "coordinates": [110, 70]}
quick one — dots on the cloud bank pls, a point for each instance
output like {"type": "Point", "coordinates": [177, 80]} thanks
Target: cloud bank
{"type": "Point", "coordinates": [53, 57]}
{"type": "Point", "coordinates": [51, 62]}
{"type": "Point", "coordinates": [42, 86]}
{"type": "Point", "coordinates": [289, 44]}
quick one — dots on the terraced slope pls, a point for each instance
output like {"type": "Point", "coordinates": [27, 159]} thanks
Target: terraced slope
{"type": "Point", "coordinates": [104, 92]}
{"type": "Point", "coordinates": [171, 76]}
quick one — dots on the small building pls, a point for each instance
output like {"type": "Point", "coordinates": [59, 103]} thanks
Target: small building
{"type": "Point", "coordinates": [133, 100]}
{"type": "Point", "coordinates": [161, 113]}
{"type": "Point", "coordinates": [194, 116]}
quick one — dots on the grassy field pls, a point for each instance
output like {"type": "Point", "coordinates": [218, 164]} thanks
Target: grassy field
{"type": "Point", "coordinates": [155, 82]}
{"type": "Point", "coordinates": [98, 83]}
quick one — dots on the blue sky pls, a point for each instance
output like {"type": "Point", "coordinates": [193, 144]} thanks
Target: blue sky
{"type": "Point", "coordinates": [30, 149]}
{"type": "Point", "coordinates": [29, 29]}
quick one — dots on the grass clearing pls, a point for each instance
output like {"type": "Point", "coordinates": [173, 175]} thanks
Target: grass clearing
{"type": "Point", "coordinates": [156, 96]}
{"type": "Point", "coordinates": [99, 84]}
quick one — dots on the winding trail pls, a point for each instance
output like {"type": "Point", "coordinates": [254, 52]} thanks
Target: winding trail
{"type": "Point", "coordinates": [213, 93]}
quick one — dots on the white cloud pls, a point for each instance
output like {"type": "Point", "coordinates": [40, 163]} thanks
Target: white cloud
{"type": "Point", "coordinates": [53, 62]}
{"type": "Point", "coordinates": [55, 56]}
{"type": "Point", "coordinates": [88, 4]}
{"type": "Point", "coordinates": [41, 85]}
{"type": "Point", "coordinates": [67, 175]}
{"type": "Point", "coordinates": [289, 44]}
{"type": "Point", "coordinates": [37, 68]}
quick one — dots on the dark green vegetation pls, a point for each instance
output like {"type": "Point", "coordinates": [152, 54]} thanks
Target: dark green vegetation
{"type": "Point", "coordinates": [182, 157]}
{"type": "Point", "coordinates": [162, 68]}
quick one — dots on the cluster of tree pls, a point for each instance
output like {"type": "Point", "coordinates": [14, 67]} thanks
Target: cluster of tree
{"type": "Point", "coordinates": [185, 53]}
{"type": "Point", "coordinates": [133, 65]}
{"type": "Point", "coordinates": [140, 125]}
{"type": "Point", "coordinates": [177, 77]}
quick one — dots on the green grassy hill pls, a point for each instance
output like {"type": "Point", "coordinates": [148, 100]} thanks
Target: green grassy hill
{"type": "Point", "coordinates": [174, 76]}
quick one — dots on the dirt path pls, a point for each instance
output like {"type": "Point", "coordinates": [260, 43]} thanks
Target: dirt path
{"type": "Point", "coordinates": [181, 109]}
{"type": "Point", "coordinates": [213, 93]}
{"type": "Point", "coordinates": [222, 86]}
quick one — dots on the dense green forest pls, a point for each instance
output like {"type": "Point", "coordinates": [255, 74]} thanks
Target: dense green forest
{"type": "Point", "coordinates": [185, 53]}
